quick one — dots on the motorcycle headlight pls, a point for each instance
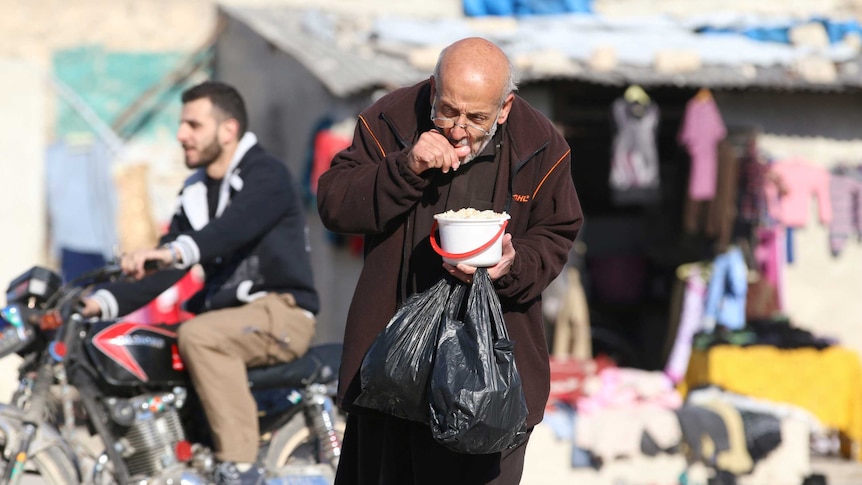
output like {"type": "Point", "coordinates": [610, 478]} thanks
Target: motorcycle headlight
{"type": "Point", "coordinates": [15, 333]}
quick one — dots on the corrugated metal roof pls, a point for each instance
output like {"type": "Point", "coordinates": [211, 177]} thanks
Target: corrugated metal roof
{"type": "Point", "coordinates": [342, 70]}
{"type": "Point", "coordinates": [771, 78]}
{"type": "Point", "coordinates": [352, 53]}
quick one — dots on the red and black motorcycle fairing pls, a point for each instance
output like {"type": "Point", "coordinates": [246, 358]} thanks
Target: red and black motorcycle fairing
{"type": "Point", "coordinates": [135, 355]}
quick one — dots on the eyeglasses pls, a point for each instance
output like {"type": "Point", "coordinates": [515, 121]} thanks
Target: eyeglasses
{"type": "Point", "coordinates": [447, 123]}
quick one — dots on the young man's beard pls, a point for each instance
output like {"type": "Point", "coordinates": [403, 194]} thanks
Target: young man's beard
{"type": "Point", "coordinates": [208, 155]}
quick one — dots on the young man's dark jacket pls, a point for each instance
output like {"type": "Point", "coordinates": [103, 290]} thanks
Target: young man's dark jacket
{"type": "Point", "coordinates": [370, 190]}
{"type": "Point", "coordinates": [256, 243]}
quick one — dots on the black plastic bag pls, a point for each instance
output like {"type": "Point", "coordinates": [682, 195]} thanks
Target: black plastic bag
{"type": "Point", "coordinates": [395, 371]}
{"type": "Point", "coordinates": [477, 402]}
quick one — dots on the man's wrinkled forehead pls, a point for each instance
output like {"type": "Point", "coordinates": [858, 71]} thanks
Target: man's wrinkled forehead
{"type": "Point", "coordinates": [467, 94]}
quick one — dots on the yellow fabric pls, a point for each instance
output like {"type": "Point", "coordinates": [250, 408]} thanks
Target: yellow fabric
{"type": "Point", "coordinates": [827, 383]}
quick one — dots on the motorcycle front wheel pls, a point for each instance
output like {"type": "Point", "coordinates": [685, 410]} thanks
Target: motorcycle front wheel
{"type": "Point", "coordinates": [48, 455]}
{"type": "Point", "coordinates": [52, 465]}
{"type": "Point", "coordinates": [296, 444]}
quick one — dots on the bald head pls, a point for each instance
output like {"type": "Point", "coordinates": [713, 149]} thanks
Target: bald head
{"type": "Point", "coordinates": [471, 93]}
{"type": "Point", "coordinates": [476, 63]}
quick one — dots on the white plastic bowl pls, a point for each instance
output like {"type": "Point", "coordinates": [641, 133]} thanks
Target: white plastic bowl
{"type": "Point", "coordinates": [459, 236]}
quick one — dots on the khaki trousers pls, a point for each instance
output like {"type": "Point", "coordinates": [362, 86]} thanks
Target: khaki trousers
{"type": "Point", "coordinates": [219, 345]}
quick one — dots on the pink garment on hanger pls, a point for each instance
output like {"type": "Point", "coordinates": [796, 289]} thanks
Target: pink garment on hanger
{"type": "Point", "coordinates": [769, 256]}
{"type": "Point", "coordinates": [802, 179]}
{"type": "Point", "coordinates": [702, 129]}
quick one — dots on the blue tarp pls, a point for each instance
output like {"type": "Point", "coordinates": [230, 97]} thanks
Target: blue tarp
{"type": "Point", "coordinates": [482, 8]}
{"type": "Point", "coordinates": [836, 30]}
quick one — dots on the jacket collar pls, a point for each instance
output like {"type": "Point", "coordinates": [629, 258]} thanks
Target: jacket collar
{"type": "Point", "coordinates": [193, 198]}
{"type": "Point", "coordinates": [525, 134]}
{"type": "Point", "coordinates": [231, 178]}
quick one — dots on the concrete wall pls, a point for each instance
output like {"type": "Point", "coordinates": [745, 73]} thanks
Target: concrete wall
{"type": "Point", "coordinates": [22, 168]}
{"type": "Point", "coordinates": [824, 293]}
{"type": "Point", "coordinates": [32, 31]}
{"type": "Point", "coordinates": [286, 104]}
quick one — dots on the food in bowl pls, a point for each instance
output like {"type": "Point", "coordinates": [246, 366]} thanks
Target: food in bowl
{"type": "Point", "coordinates": [470, 213]}
{"type": "Point", "coordinates": [470, 236]}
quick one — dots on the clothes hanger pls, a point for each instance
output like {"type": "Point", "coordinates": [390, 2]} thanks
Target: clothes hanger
{"type": "Point", "coordinates": [636, 94]}
{"type": "Point", "coordinates": [684, 271]}
{"type": "Point", "coordinates": [703, 94]}
{"type": "Point", "coordinates": [841, 168]}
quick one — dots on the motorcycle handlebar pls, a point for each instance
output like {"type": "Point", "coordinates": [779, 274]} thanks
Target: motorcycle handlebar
{"type": "Point", "coordinates": [109, 272]}
{"type": "Point", "coordinates": [102, 274]}
{"type": "Point", "coordinates": [98, 275]}
{"type": "Point", "coordinates": [152, 265]}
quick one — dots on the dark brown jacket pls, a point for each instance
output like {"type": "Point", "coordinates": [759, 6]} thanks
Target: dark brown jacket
{"type": "Point", "coordinates": [370, 190]}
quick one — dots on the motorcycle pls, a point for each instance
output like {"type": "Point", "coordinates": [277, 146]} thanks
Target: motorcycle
{"type": "Point", "coordinates": [125, 384]}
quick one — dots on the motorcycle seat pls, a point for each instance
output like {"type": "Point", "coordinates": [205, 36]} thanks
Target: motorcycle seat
{"type": "Point", "coordinates": [319, 365]}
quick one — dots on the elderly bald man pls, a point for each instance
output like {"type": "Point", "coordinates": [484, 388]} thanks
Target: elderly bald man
{"type": "Point", "coordinates": [462, 138]}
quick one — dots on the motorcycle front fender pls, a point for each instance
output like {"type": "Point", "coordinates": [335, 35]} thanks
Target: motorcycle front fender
{"type": "Point", "coordinates": [12, 429]}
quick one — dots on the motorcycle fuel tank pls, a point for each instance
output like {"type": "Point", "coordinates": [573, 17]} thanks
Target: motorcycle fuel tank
{"type": "Point", "coordinates": [134, 354]}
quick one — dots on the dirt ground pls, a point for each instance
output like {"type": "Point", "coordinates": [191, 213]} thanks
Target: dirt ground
{"type": "Point", "coordinates": [548, 459]}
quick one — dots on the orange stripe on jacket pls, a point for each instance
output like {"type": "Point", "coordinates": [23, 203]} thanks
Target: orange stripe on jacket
{"type": "Point", "coordinates": [549, 173]}
{"type": "Point", "coordinates": [382, 151]}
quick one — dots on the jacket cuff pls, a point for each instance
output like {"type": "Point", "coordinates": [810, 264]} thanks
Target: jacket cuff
{"type": "Point", "coordinates": [188, 250]}
{"type": "Point", "coordinates": [507, 279]}
{"type": "Point", "coordinates": [107, 304]}
{"type": "Point", "coordinates": [418, 181]}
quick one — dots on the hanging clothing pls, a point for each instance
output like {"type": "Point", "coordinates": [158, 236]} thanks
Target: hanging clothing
{"type": "Point", "coordinates": [634, 174]}
{"type": "Point", "coordinates": [677, 298]}
{"type": "Point", "coordinates": [691, 320]}
{"type": "Point", "coordinates": [761, 301]}
{"type": "Point", "coordinates": [788, 240]}
{"type": "Point", "coordinates": [715, 217]}
{"type": "Point", "coordinates": [752, 180]}
{"type": "Point", "coordinates": [771, 259]}
{"type": "Point", "coordinates": [81, 202]}
{"type": "Point", "coordinates": [846, 199]}
{"type": "Point", "coordinates": [802, 179]}
{"type": "Point", "coordinates": [702, 129]}
{"type": "Point", "coordinates": [722, 208]}
{"type": "Point", "coordinates": [726, 292]}
{"type": "Point", "coordinates": [572, 337]}
{"type": "Point", "coordinates": [327, 143]}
